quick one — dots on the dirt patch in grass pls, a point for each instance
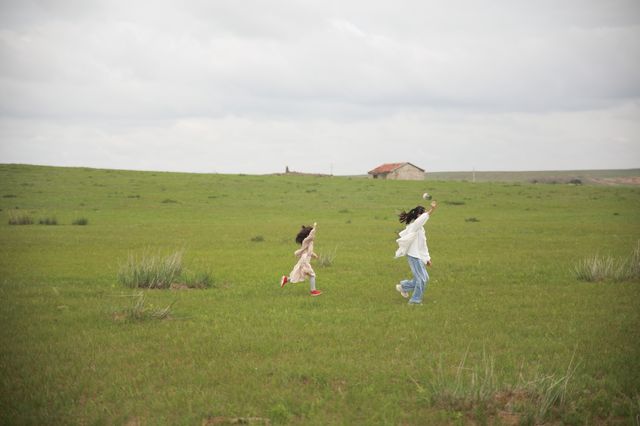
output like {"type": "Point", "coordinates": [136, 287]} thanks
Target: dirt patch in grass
{"type": "Point", "coordinates": [179, 286]}
{"type": "Point", "coordinates": [184, 286]}
{"type": "Point", "coordinates": [221, 420]}
{"type": "Point", "coordinates": [630, 180]}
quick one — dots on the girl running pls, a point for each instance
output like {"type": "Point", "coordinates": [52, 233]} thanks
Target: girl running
{"type": "Point", "coordinates": [413, 244]}
{"type": "Point", "coordinates": [305, 253]}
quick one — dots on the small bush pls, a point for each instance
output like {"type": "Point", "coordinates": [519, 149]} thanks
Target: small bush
{"type": "Point", "coordinates": [151, 271]}
{"type": "Point", "coordinates": [80, 221]}
{"type": "Point", "coordinates": [257, 239]}
{"type": "Point", "coordinates": [48, 221]}
{"type": "Point", "coordinates": [472, 219]}
{"type": "Point", "coordinates": [19, 219]}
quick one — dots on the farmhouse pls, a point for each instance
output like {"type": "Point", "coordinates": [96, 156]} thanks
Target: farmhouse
{"type": "Point", "coordinates": [399, 171]}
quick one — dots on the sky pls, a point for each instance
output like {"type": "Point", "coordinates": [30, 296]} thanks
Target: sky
{"type": "Point", "coordinates": [332, 86]}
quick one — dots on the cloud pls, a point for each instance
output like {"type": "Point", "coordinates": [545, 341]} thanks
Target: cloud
{"type": "Point", "coordinates": [330, 80]}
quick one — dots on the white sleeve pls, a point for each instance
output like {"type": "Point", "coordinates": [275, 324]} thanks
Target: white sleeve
{"type": "Point", "coordinates": [420, 221]}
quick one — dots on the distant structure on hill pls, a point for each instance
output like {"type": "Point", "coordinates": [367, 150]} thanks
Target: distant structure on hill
{"type": "Point", "coordinates": [398, 171]}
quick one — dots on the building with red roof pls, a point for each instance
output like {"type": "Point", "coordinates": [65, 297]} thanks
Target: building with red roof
{"type": "Point", "coordinates": [399, 171]}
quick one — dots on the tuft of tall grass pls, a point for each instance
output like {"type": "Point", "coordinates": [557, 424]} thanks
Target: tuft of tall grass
{"type": "Point", "coordinates": [48, 221]}
{"type": "Point", "coordinates": [477, 389]}
{"type": "Point", "coordinates": [601, 268]}
{"type": "Point", "coordinates": [632, 266]}
{"type": "Point", "coordinates": [80, 221]}
{"type": "Point", "coordinates": [595, 268]}
{"type": "Point", "coordinates": [470, 386]}
{"type": "Point", "coordinates": [326, 259]}
{"type": "Point", "coordinates": [19, 219]}
{"type": "Point", "coordinates": [198, 279]}
{"type": "Point", "coordinates": [139, 310]}
{"type": "Point", "coordinates": [151, 270]}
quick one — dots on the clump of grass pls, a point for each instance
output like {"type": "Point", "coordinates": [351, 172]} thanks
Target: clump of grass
{"type": "Point", "coordinates": [82, 221]}
{"type": "Point", "coordinates": [9, 196]}
{"type": "Point", "coordinates": [602, 268]}
{"type": "Point", "coordinates": [476, 389]}
{"type": "Point", "coordinates": [632, 265]}
{"type": "Point", "coordinates": [472, 219]}
{"type": "Point", "coordinates": [48, 221]}
{"type": "Point", "coordinates": [257, 239]}
{"type": "Point", "coordinates": [19, 219]}
{"type": "Point", "coordinates": [326, 259]}
{"type": "Point", "coordinates": [198, 279]}
{"type": "Point", "coordinates": [455, 203]}
{"type": "Point", "coordinates": [139, 310]}
{"type": "Point", "coordinates": [468, 387]}
{"type": "Point", "coordinates": [169, 201]}
{"type": "Point", "coordinates": [595, 268]}
{"type": "Point", "coordinates": [151, 270]}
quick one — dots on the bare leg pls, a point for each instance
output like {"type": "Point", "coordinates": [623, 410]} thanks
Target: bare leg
{"type": "Point", "coordinates": [312, 282]}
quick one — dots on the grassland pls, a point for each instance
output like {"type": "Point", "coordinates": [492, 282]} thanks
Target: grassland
{"type": "Point", "coordinates": [505, 325]}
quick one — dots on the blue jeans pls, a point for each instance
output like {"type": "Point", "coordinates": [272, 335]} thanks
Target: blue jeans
{"type": "Point", "coordinates": [419, 282]}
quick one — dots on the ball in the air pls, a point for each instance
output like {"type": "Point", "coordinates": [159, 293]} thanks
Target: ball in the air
{"type": "Point", "coordinates": [426, 196]}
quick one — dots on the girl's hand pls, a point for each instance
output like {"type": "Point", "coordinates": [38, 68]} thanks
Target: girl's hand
{"type": "Point", "coordinates": [434, 204]}
{"type": "Point", "coordinates": [429, 262]}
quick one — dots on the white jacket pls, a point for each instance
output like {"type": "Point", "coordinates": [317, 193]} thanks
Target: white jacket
{"type": "Point", "coordinates": [413, 240]}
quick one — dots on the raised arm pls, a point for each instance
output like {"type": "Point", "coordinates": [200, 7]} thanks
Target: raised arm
{"type": "Point", "coordinates": [433, 208]}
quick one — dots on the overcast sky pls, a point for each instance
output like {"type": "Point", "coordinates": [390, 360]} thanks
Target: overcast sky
{"type": "Point", "coordinates": [253, 86]}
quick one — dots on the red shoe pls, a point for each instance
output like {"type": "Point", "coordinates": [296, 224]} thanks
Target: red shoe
{"type": "Point", "coordinates": [316, 293]}
{"type": "Point", "coordinates": [283, 281]}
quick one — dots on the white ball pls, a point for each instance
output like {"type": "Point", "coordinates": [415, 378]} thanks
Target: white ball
{"type": "Point", "coordinates": [426, 196]}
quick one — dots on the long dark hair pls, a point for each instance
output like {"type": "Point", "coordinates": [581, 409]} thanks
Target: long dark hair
{"type": "Point", "coordinates": [304, 233]}
{"type": "Point", "coordinates": [412, 215]}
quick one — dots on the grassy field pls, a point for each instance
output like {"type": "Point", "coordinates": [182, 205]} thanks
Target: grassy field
{"type": "Point", "coordinates": [506, 334]}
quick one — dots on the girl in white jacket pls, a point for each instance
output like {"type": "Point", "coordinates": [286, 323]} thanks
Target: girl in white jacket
{"type": "Point", "coordinates": [413, 244]}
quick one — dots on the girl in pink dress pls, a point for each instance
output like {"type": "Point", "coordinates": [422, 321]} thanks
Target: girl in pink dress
{"type": "Point", "coordinates": [305, 253]}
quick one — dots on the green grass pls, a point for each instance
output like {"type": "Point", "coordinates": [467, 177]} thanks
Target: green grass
{"type": "Point", "coordinates": [506, 325]}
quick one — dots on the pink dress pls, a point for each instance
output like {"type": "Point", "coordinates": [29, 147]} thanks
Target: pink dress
{"type": "Point", "coordinates": [303, 267]}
